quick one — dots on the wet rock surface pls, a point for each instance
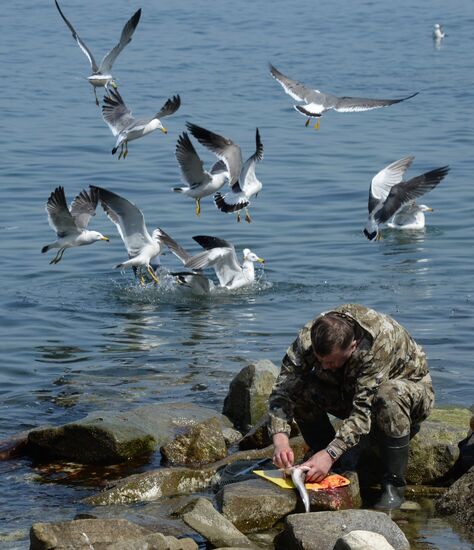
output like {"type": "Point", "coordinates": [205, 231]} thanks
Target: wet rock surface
{"type": "Point", "coordinates": [459, 501]}
{"type": "Point", "coordinates": [256, 504]}
{"type": "Point", "coordinates": [219, 531]}
{"type": "Point", "coordinates": [362, 540]}
{"type": "Point", "coordinates": [201, 444]}
{"type": "Point", "coordinates": [321, 530]}
{"type": "Point", "coordinates": [247, 399]}
{"type": "Point", "coordinates": [106, 438]}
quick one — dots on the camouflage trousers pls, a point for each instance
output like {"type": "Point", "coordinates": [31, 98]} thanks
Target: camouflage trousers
{"type": "Point", "coordinates": [398, 407]}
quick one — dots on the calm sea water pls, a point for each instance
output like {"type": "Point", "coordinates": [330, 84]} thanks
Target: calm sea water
{"type": "Point", "coordinates": [80, 336]}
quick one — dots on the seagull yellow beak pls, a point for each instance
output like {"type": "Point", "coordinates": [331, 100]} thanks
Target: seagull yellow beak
{"type": "Point", "coordinates": [105, 239]}
{"type": "Point", "coordinates": [164, 130]}
{"type": "Point", "coordinates": [430, 209]}
{"type": "Point", "coordinates": [114, 84]}
{"type": "Point", "coordinates": [261, 260]}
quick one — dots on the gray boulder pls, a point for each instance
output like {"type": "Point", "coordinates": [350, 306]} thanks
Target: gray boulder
{"type": "Point", "coordinates": [255, 505]}
{"type": "Point", "coordinates": [247, 399]}
{"type": "Point", "coordinates": [200, 444]}
{"type": "Point", "coordinates": [219, 531]}
{"type": "Point", "coordinates": [458, 501]}
{"type": "Point", "coordinates": [82, 534]}
{"type": "Point", "coordinates": [321, 530]}
{"type": "Point", "coordinates": [155, 541]}
{"type": "Point", "coordinates": [110, 438]}
{"type": "Point", "coordinates": [362, 540]}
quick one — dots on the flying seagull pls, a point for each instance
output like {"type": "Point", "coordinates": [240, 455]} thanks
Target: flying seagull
{"type": "Point", "coordinates": [127, 128]}
{"type": "Point", "coordinates": [130, 222]}
{"type": "Point", "coordinates": [220, 255]}
{"type": "Point", "coordinates": [71, 225]}
{"type": "Point", "coordinates": [201, 183]}
{"type": "Point", "coordinates": [317, 103]}
{"type": "Point", "coordinates": [101, 74]}
{"type": "Point", "coordinates": [242, 179]}
{"type": "Point", "coordinates": [393, 201]}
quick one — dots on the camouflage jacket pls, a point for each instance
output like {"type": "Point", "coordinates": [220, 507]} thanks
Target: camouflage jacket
{"type": "Point", "coordinates": [388, 352]}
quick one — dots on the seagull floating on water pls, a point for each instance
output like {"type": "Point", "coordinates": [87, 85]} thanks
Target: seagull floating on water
{"type": "Point", "coordinates": [127, 128]}
{"type": "Point", "coordinates": [317, 103]}
{"type": "Point", "coordinates": [71, 225]}
{"type": "Point", "coordinates": [130, 223]}
{"type": "Point", "coordinates": [220, 254]}
{"type": "Point", "coordinates": [393, 201]}
{"type": "Point", "coordinates": [201, 183]}
{"type": "Point", "coordinates": [101, 74]}
{"type": "Point", "coordinates": [438, 32]}
{"type": "Point", "coordinates": [242, 179]}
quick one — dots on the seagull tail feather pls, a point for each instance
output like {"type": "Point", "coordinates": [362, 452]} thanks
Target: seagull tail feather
{"type": "Point", "coordinates": [120, 266]}
{"type": "Point", "coordinates": [179, 189]}
{"type": "Point", "coordinates": [114, 150]}
{"type": "Point", "coordinates": [46, 248]}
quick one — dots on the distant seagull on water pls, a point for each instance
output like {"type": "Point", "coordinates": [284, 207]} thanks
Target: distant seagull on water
{"type": "Point", "coordinates": [242, 179]}
{"type": "Point", "coordinates": [201, 183]}
{"type": "Point", "coordinates": [127, 128]}
{"type": "Point", "coordinates": [438, 32]}
{"type": "Point", "coordinates": [317, 103]}
{"type": "Point", "coordinates": [71, 225]}
{"type": "Point", "coordinates": [393, 201]}
{"type": "Point", "coordinates": [101, 74]}
{"type": "Point", "coordinates": [220, 254]}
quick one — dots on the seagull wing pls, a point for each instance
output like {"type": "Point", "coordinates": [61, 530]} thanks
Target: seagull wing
{"type": "Point", "coordinates": [250, 184]}
{"type": "Point", "coordinates": [175, 248]}
{"type": "Point", "coordinates": [83, 207]}
{"type": "Point", "coordinates": [78, 39]}
{"type": "Point", "coordinates": [293, 88]}
{"type": "Point", "coordinates": [171, 106]}
{"type": "Point", "coordinates": [125, 38]}
{"type": "Point", "coordinates": [384, 180]}
{"type": "Point", "coordinates": [128, 219]}
{"type": "Point", "coordinates": [59, 217]}
{"type": "Point", "coordinates": [115, 113]}
{"type": "Point", "coordinates": [190, 163]}
{"type": "Point", "coordinates": [225, 149]}
{"type": "Point", "coordinates": [219, 254]}
{"type": "Point", "coordinates": [348, 104]}
{"type": "Point", "coordinates": [407, 191]}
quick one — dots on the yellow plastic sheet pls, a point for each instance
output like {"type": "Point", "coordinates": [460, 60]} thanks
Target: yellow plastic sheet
{"type": "Point", "coordinates": [278, 477]}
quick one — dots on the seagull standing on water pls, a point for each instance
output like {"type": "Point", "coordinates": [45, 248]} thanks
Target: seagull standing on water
{"type": "Point", "coordinates": [242, 179]}
{"type": "Point", "coordinates": [438, 32]}
{"type": "Point", "coordinates": [101, 74]}
{"type": "Point", "coordinates": [130, 222]}
{"type": "Point", "coordinates": [393, 201]}
{"type": "Point", "coordinates": [220, 255]}
{"type": "Point", "coordinates": [71, 225]}
{"type": "Point", "coordinates": [127, 128]}
{"type": "Point", "coordinates": [201, 183]}
{"type": "Point", "coordinates": [317, 103]}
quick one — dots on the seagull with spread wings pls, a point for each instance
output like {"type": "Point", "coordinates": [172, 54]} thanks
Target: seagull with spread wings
{"type": "Point", "coordinates": [201, 183]}
{"type": "Point", "coordinates": [127, 128]}
{"type": "Point", "coordinates": [71, 224]}
{"type": "Point", "coordinates": [220, 254]}
{"type": "Point", "coordinates": [317, 103]}
{"type": "Point", "coordinates": [393, 201]}
{"type": "Point", "coordinates": [242, 179]}
{"type": "Point", "coordinates": [101, 74]}
{"type": "Point", "coordinates": [130, 222]}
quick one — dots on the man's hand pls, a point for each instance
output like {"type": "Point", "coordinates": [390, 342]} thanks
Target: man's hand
{"type": "Point", "coordinates": [319, 465]}
{"type": "Point", "coordinates": [283, 456]}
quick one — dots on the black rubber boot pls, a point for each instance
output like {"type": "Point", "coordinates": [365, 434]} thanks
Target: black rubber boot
{"type": "Point", "coordinates": [395, 455]}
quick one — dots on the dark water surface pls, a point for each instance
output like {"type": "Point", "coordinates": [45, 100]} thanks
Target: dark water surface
{"type": "Point", "coordinates": [80, 336]}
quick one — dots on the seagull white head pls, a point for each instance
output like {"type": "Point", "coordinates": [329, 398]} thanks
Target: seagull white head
{"type": "Point", "coordinates": [94, 236]}
{"type": "Point", "coordinates": [251, 257]}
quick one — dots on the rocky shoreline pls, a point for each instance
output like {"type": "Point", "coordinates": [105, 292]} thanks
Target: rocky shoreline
{"type": "Point", "coordinates": [205, 492]}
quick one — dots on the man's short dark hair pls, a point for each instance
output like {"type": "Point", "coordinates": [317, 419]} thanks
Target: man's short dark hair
{"type": "Point", "coordinates": [331, 332]}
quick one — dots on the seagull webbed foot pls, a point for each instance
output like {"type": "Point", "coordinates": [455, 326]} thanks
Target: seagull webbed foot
{"type": "Point", "coordinates": [307, 122]}
{"type": "Point", "coordinates": [248, 219]}
{"type": "Point", "coordinates": [238, 216]}
{"type": "Point", "coordinates": [152, 274]}
{"type": "Point", "coordinates": [198, 207]}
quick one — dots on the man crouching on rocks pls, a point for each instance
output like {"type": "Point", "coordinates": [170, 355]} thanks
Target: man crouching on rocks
{"type": "Point", "coordinates": [361, 366]}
